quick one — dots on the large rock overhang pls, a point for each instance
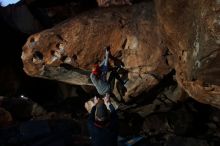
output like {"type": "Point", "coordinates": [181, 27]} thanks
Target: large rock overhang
{"type": "Point", "coordinates": [67, 51]}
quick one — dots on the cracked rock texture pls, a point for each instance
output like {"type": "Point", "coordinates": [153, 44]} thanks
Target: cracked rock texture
{"type": "Point", "coordinates": [150, 39]}
{"type": "Point", "coordinates": [191, 31]}
{"type": "Point", "coordinates": [67, 51]}
{"type": "Point", "coordinates": [107, 3]}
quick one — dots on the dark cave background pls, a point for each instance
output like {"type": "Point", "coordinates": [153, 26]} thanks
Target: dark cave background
{"type": "Point", "coordinates": [13, 79]}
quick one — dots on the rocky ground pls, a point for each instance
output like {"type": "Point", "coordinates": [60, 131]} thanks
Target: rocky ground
{"type": "Point", "coordinates": [161, 122]}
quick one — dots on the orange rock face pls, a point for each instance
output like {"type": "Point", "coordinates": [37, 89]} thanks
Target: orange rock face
{"type": "Point", "coordinates": [106, 3]}
{"type": "Point", "coordinates": [140, 36]}
{"type": "Point", "coordinates": [191, 30]}
{"type": "Point", "coordinates": [67, 51]}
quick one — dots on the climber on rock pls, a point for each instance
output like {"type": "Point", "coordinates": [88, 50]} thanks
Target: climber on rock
{"type": "Point", "coordinates": [99, 75]}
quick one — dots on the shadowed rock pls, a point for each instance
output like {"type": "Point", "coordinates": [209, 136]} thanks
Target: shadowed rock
{"type": "Point", "coordinates": [67, 51]}
{"type": "Point", "coordinates": [183, 34]}
{"type": "Point", "coordinates": [191, 32]}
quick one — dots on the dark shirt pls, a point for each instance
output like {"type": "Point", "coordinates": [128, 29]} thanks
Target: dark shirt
{"type": "Point", "coordinates": [106, 134]}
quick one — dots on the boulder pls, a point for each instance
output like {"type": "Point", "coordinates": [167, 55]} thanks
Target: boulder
{"type": "Point", "coordinates": [190, 31]}
{"type": "Point", "coordinates": [67, 51]}
{"type": "Point", "coordinates": [148, 39]}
